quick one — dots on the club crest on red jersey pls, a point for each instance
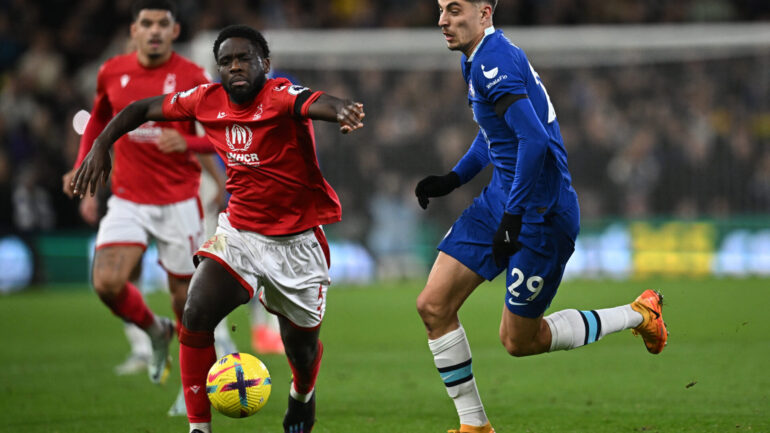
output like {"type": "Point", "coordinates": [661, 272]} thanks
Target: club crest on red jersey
{"type": "Point", "coordinates": [169, 84]}
{"type": "Point", "coordinates": [258, 113]}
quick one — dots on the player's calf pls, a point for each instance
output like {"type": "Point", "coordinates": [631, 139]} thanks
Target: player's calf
{"type": "Point", "coordinates": [575, 328]}
{"type": "Point", "coordinates": [522, 336]}
{"type": "Point", "coordinates": [196, 356]}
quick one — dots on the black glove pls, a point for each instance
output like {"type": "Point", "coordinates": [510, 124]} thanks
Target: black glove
{"type": "Point", "coordinates": [506, 240]}
{"type": "Point", "coordinates": [436, 186]}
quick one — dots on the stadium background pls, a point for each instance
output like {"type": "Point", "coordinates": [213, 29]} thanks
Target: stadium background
{"type": "Point", "coordinates": [664, 107]}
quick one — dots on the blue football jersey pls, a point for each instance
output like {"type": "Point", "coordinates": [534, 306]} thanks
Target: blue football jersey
{"type": "Point", "coordinates": [535, 186]}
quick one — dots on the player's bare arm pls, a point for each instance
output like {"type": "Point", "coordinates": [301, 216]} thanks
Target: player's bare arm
{"type": "Point", "coordinates": [97, 164]}
{"type": "Point", "coordinates": [332, 109]}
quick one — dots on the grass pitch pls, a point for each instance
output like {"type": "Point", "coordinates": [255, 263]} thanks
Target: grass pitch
{"type": "Point", "coordinates": [59, 346]}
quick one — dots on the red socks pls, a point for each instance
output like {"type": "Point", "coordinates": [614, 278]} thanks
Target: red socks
{"type": "Point", "coordinates": [196, 356]}
{"type": "Point", "coordinates": [304, 381]}
{"type": "Point", "coordinates": [129, 305]}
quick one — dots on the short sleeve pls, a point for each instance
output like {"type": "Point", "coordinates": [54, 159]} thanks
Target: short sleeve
{"type": "Point", "coordinates": [295, 99]}
{"type": "Point", "coordinates": [182, 105]}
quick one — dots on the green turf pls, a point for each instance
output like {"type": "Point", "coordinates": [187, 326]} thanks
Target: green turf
{"type": "Point", "coordinates": [59, 347]}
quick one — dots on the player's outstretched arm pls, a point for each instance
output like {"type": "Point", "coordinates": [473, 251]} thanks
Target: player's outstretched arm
{"type": "Point", "coordinates": [436, 186]}
{"type": "Point", "coordinates": [474, 160]}
{"type": "Point", "coordinates": [332, 109]}
{"type": "Point", "coordinates": [97, 164]}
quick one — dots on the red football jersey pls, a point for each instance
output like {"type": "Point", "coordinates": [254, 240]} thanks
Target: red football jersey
{"type": "Point", "coordinates": [142, 173]}
{"type": "Point", "coordinates": [268, 145]}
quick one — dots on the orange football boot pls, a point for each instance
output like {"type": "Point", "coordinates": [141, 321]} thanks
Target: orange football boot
{"type": "Point", "coordinates": [487, 428]}
{"type": "Point", "coordinates": [652, 329]}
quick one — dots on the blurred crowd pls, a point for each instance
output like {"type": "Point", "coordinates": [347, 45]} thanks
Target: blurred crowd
{"type": "Point", "coordinates": [684, 138]}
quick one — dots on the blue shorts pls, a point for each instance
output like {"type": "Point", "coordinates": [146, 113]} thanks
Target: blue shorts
{"type": "Point", "coordinates": [533, 273]}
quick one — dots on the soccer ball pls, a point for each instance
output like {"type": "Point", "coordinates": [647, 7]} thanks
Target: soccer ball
{"type": "Point", "coordinates": [238, 385]}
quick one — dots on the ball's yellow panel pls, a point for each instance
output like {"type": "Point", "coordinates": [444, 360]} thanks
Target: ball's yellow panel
{"type": "Point", "coordinates": [238, 385]}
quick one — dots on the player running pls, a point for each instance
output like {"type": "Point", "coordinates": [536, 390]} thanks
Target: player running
{"type": "Point", "coordinates": [154, 192]}
{"type": "Point", "coordinates": [525, 221]}
{"type": "Point", "coordinates": [155, 185]}
{"type": "Point", "coordinates": [269, 242]}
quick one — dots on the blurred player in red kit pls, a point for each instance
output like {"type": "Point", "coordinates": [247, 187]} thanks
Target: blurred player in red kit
{"type": "Point", "coordinates": [155, 181]}
{"type": "Point", "coordinates": [269, 241]}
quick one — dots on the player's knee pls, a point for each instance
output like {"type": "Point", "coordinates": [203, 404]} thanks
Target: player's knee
{"type": "Point", "coordinates": [432, 313]}
{"type": "Point", "coordinates": [108, 284]}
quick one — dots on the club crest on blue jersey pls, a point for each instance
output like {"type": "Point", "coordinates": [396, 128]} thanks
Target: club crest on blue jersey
{"type": "Point", "coordinates": [490, 74]}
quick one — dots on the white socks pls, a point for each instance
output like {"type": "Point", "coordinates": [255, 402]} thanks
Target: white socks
{"type": "Point", "coordinates": [452, 356]}
{"type": "Point", "coordinates": [205, 427]}
{"type": "Point", "coordinates": [574, 328]}
{"type": "Point", "coordinates": [569, 329]}
{"type": "Point", "coordinates": [304, 398]}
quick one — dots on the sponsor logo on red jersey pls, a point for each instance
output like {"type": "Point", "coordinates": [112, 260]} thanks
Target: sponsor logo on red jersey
{"type": "Point", "coordinates": [238, 138]}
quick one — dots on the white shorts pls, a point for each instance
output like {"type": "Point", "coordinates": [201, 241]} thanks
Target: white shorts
{"type": "Point", "coordinates": [290, 274]}
{"type": "Point", "coordinates": [177, 229]}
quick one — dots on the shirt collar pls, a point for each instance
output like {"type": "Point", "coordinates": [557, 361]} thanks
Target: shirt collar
{"type": "Point", "coordinates": [488, 31]}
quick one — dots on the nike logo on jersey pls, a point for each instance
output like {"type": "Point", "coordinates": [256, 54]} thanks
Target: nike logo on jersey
{"type": "Point", "coordinates": [510, 301]}
{"type": "Point", "coordinates": [213, 377]}
{"type": "Point", "coordinates": [124, 80]}
{"type": "Point", "coordinates": [492, 73]}
{"type": "Point", "coordinates": [221, 114]}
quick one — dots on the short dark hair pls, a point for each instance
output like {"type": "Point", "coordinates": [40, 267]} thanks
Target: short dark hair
{"type": "Point", "coordinates": [245, 32]}
{"type": "Point", "coordinates": [492, 3]}
{"type": "Point", "coordinates": [165, 5]}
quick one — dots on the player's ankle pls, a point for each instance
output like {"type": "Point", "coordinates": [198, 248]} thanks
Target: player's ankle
{"type": "Point", "coordinates": [203, 427]}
